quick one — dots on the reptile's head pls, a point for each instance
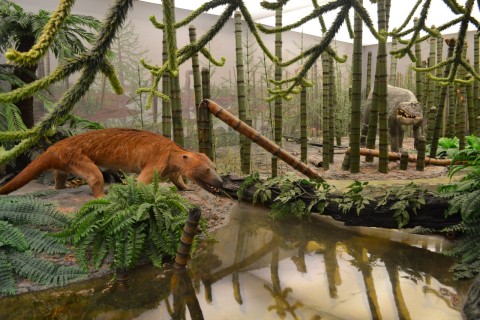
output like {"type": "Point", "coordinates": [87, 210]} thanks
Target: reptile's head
{"type": "Point", "coordinates": [409, 113]}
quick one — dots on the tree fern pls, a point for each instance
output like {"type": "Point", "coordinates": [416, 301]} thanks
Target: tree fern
{"type": "Point", "coordinates": [131, 221]}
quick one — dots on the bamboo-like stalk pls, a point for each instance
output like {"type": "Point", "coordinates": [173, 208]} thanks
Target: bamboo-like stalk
{"type": "Point", "coordinates": [356, 118]}
{"type": "Point", "coordinates": [430, 101]}
{"type": "Point", "coordinates": [332, 102]}
{"type": "Point", "coordinates": [452, 106]}
{"type": "Point", "coordinates": [259, 139]}
{"type": "Point", "coordinates": [166, 104]}
{"type": "Point", "coordinates": [460, 121]}
{"type": "Point", "coordinates": [381, 82]}
{"type": "Point", "coordinates": [278, 100]}
{"type": "Point", "coordinates": [197, 78]}
{"type": "Point", "coordinates": [393, 64]}
{"type": "Point", "coordinates": [326, 113]}
{"type": "Point", "coordinates": [242, 109]}
{"type": "Point", "coordinates": [418, 64]}
{"type": "Point", "coordinates": [303, 125]}
{"type": "Point", "coordinates": [205, 124]}
{"type": "Point", "coordinates": [470, 107]}
{"type": "Point", "coordinates": [441, 105]}
{"type": "Point", "coordinates": [432, 115]}
{"type": "Point", "coordinates": [438, 73]}
{"type": "Point", "coordinates": [177, 116]}
{"type": "Point", "coordinates": [422, 144]}
{"type": "Point", "coordinates": [476, 98]}
{"type": "Point", "coordinates": [368, 87]}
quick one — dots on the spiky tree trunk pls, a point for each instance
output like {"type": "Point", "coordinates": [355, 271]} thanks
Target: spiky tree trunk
{"type": "Point", "coordinates": [326, 114]}
{"type": "Point", "coordinates": [441, 105]}
{"type": "Point", "coordinates": [278, 101]}
{"type": "Point", "coordinates": [197, 80]}
{"type": "Point", "coordinates": [368, 87]}
{"type": "Point", "coordinates": [381, 81]}
{"type": "Point", "coordinates": [303, 125]}
{"type": "Point", "coordinates": [356, 117]}
{"type": "Point", "coordinates": [242, 109]}
{"type": "Point", "coordinates": [205, 123]}
{"type": "Point", "coordinates": [177, 116]}
{"type": "Point", "coordinates": [166, 105]}
{"type": "Point", "coordinates": [393, 65]}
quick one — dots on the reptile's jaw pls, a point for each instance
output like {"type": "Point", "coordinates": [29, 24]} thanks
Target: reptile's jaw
{"type": "Point", "coordinates": [404, 114]}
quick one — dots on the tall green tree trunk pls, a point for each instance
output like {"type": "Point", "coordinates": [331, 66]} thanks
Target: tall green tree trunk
{"type": "Point", "coordinates": [303, 125]}
{"type": "Point", "coordinates": [393, 65]}
{"type": "Point", "coordinates": [381, 81]}
{"type": "Point", "coordinates": [242, 108]}
{"type": "Point", "coordinates": [476, 98]}
{"type": "Point", "coordinates": [278, 101]}
{"type": "Point", "coordinates": [205, 123]}
{"type": "Point", "coordinates": [154, 107]}
{"type": "Point", "coordinates": [470, 107]}
{"type": "Point", "coordinates": [438, 73]}
{"type": "Point", "coordinates": [431, 100]}
{"type": "Point", "coordinates": [368, 87]}
{"type": "Point", "coordinates": [418, 64]}
{"type": "Point", "coordinates": [197, 80]}
{"type": "Point", "coordinates": [452, 107]}
{"type": "Point", "coordinates": [441, 105]}
{"type": "Point", "coordinates": [177, 116]}
{"type": "Point", "coordinates": [356, 117]}
{"type": "Point", "coordinates": [332, 102]}
{"type": "Point", "coordinates": [326, 112]}
{"type": "Point", "coordinates": [166, 105]}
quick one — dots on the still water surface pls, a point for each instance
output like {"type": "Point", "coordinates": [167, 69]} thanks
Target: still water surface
{"type": "Point", "coordinates": [264, 269]}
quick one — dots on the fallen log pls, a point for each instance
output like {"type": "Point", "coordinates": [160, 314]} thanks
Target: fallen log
{"type": "Point", "coordinates": [393, 156]}
{"type": "Point", "coordinates": [259, 139]}
{"type": "Point", "coordinates": [430, 215]}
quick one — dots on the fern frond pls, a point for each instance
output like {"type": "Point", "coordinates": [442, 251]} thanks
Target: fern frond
{"type": "Point", "coordinates": [12, 237]}
{"type": "Point", "coordinates": [19, 210]}
{"type": "Point", "coordinates": [7, 280]}
{"type": "Point", "coordinates": [40, 241]}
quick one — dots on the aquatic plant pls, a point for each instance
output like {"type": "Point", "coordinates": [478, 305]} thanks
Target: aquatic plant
{"type": "Point", "coordinates": [22, 219]}
{"type": "Point", "coordinates": [131, 221]}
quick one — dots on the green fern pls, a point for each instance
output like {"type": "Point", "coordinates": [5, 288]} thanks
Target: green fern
{"type": "Point", "coordinates": [131, 221]}
{"type": "Point", "coordinates": [465, 200]}
{"type": "Point", "coordinates": [20, 239]}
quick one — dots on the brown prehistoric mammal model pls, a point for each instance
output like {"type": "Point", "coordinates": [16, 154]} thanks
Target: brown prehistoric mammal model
{"type": "Point", "coordinates": [129, 150]}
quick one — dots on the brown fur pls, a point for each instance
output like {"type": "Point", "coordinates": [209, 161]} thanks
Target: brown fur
{"type": "Point", "coordinates": [129, 150]}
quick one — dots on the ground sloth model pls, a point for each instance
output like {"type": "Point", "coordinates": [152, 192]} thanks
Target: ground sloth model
{"type": "Point", "coordinates": [129, 150]}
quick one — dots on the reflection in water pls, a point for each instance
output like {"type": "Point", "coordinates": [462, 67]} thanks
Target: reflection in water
{"type": "Point", "coordinates": [264, 269]}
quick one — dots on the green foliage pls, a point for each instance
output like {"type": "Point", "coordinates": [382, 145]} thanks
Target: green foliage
{"type": "Point", "coordinates": [249, 181]}
{"type": "Point", "coordinates": [21, 238]}
{"type": "Point", "coordinates": [406, 199]}
{"type": "Point", "coordinates": [289, 189]}
{"type": "Point", "coordinates": [465, 200]}
{"type": "Point", "coordinates": [132, 220]}
{"type": "Point", "coordinates": [355, 197]}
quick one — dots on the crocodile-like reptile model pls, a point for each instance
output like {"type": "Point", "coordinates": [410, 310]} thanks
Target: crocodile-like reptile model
{"type": "Point", "coordinates": [403, 110]}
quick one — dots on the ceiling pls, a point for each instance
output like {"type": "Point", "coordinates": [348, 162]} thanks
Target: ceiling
{"type": "Point", "coordinates": [294, 10]}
